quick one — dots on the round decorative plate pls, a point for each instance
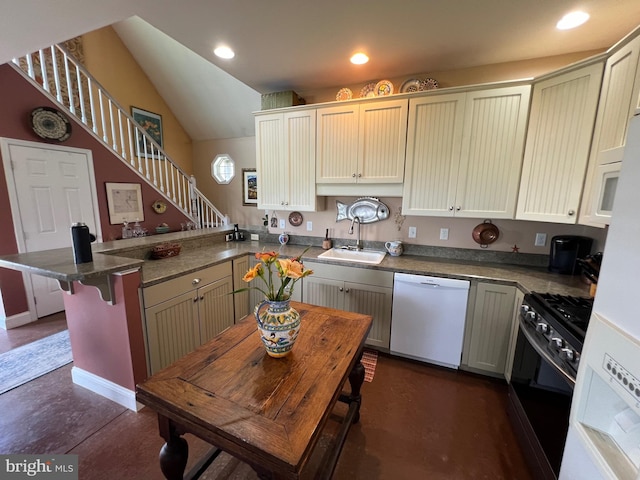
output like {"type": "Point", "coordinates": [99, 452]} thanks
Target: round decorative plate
{"type": "Point", "coordinates": [295, 219]}
{"type": "Point", "coordinates": [383, 88]}
{"type": "Point", "coordinates": [159, 206]}
{"type": "Point", "coordinates": [50, 124]}
{"type": "Point", "coordinates": [428, 84]}
{"type": "Point", "coordinates": [369, 90]}
{"type": "Point", "coordinates": [411, 85]}
{"type": "Point", "coordinates": [344, 94]}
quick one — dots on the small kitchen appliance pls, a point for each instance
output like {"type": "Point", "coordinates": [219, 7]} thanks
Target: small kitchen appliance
{"type": "Point", "coordinates": [565, 250]}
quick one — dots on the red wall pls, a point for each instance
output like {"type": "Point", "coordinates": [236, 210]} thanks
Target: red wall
{"type": "Point", "coordinates": [17, 99]}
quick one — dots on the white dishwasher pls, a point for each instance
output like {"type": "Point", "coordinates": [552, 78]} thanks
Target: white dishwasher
{"type": "Point", "coordinates": [427, 322]}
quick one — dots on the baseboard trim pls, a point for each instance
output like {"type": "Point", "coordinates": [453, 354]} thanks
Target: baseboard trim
{"type": "Point", "coordinates": [107, 389]}
{"type": "Point", "coordinates": [15, 321]}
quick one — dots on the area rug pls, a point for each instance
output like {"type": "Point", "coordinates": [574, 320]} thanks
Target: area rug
{"type": "Point", "coordinates": [369, 360]}
{"type": "Point", "coordinates": [30, 361]}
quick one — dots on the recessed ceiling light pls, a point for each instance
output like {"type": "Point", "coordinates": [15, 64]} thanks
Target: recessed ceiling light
{"type": "Point", "coordinates": [224, 52]}
{"type": "Point", "coordinates": [572, 20]}
{"type": "Point", "coordinates": [359, 58]}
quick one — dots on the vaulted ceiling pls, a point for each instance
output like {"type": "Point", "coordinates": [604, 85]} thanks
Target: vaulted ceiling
{"type": "Point", "coordinates": [287, 44]}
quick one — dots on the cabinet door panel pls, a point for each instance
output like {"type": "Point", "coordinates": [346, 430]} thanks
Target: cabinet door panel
{"type": "Point", "coordinates": [240, 300]}
{"type": "Point", "coordinates": [374, 301]}
{"type": "Point", "coordinates": [491, 159]}
{"type": "Point", "coordinates": [491, 329]}
{"type": "Point", "coordinates": [433, 154]}
{"type": "Point", "coordinates": [383, 133]}
{"type": "Point", "coordinates": [558, 140]}
{"type": "Point", "coordinates": [323, 292]}
{"type": "Point", "coordinates": [337, 144]}
{"type": "Point", "coordinates": [215, 308]}
{"type": "Point", "coordinates": [270, 160]}
{"type": "Point", "coordinates": [172, 330]}
{"type": "Point", "coordinates": [299, 139]}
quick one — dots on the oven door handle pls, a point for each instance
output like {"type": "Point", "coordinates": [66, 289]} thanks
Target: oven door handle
{"type": "Point", "coordinates": [543, 353]}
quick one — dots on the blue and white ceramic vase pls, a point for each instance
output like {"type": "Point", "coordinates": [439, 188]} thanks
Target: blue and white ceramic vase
{"type": "Point", "coordinates": [278, 325]}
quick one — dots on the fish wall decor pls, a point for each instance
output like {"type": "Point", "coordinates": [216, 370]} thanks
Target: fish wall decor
{"type": "Point", "coordinates": [367, 209]}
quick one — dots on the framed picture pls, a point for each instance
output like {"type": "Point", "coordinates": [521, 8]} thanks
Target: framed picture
{"type": "Point", "coordinates": [152, 124]}
{"type": "Point", "coordinates": [125, 202]}
{"type": "Point", "coordinates": [249, 186]}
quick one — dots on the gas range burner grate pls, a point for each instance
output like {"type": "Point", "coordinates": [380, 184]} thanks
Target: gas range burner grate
{"type": "Point", "coordinates": [573, 312]}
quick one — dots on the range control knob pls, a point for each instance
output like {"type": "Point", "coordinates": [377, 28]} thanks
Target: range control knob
{"type": "Point", "coordinates": [556, 342]}
{"type": "Point", "coordinates": [524, 309]}
{"type": "Point", "coordinates": [567, 354]}
{"type": "Point", "coordinates": [542, 327]}
{"type": "Point", "coordinates": [530, 316]}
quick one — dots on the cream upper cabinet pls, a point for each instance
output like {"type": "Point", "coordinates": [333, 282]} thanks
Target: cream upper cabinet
{"type": "Point", "coordinates": [362, 142]}
{"type": "Point", "coordinates": [464, 153]}
{"type": "Point", "coordinates": [619, 100]}
{"type": "Point", "coordinates": [285, 160]}
{"type": "Point", "coordinates": [563, 111]}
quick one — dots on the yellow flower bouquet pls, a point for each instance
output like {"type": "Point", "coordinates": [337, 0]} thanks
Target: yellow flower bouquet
{"type": "Point", "coordinates": [289, 271]}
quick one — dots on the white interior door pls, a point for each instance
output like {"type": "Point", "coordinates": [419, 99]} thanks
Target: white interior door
{"type": "Point", "coordinates": [53, 187]}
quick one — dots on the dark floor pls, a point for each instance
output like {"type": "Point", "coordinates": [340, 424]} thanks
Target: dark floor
{"type": "Point", "coordinates": [417, 422]}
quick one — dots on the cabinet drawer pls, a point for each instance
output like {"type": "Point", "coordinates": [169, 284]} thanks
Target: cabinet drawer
{"type": "Point", "coordinates": [177, 286]}
{"type": "Point", "coordinates": [366, 276]}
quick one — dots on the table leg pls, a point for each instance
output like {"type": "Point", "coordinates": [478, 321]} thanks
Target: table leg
{"type": "Point", "coordinates": [174, 453]}
{"type": "Point", "coordinates": [356, 379]}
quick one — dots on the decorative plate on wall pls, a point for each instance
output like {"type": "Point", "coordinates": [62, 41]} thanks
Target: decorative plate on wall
{"type": "Point", "coordinates": [384, 88]}
{"type": "Point", "coordinates": [159, 206]}
{"type": "Point", "coordinates": [50, 124]}
{"type": "Point", "coordinates": [344, 94]}
{"type": "Point", "coordinates": [295, 219]}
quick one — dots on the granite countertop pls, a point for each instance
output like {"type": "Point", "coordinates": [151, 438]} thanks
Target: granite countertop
{"type": "Point", "coordinates": [122, 255]}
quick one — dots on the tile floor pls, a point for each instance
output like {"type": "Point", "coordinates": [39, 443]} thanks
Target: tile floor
{"type": "Point", "coordinates": [417, 422]}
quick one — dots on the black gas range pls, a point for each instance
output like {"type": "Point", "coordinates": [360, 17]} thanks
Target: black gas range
{"type": "Point", "coordinates": [551, 334]}
{"type": "Point", "coordinates": [558, 324]}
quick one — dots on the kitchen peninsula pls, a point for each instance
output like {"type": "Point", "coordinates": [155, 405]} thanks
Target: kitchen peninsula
{"type": "Point", "coordinates": [103, 299]}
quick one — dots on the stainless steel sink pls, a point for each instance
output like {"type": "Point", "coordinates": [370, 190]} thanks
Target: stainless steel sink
{"type": "Point", "coordinates": [370, 257]}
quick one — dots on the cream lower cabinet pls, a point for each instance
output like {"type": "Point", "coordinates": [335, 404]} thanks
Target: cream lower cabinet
{"type": "Point", "coordinates": [182, 313]}
{"type": "Point", "coordinates": [464, 153]}
{"type": "Point", "coordinates": [286, 160]}
{"type": "Point", "coordinates": [240, 300]}
{"type": "Point", "coordinates": [563, 110]}
{"type": "Point", "coordinates": [355, 290]}
{"type": "Point", "coordinates": [515, 328]}
{"type": "Point", "coordinates": [489, 329]}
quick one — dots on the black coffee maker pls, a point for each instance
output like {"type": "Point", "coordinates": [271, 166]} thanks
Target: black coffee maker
{"type": "Point", "coordinates": [565, 250]}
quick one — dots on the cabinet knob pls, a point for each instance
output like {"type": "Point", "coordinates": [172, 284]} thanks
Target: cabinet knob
{"type": "Point", "coordinates": [341, 289]}
{"type": "Point", "coordinates": [451, 208]}
{"type": "Point", "coordinates": [359, 175]}
{"type": "Point", "coordinates": [571, 212]}
{"type": "Point", "coordinates": [195, 299]}
{"type": "Point", "coordinates": [353, 175]}
{"type": "Point", "coordinates": [282, 202]}
{"type": "Point", "coordinates": [195, 281]}
{"type": "Point", "coordinates": [347, 290]}
{"type": "Point", "coordinates": [458, 208]}
{"type": "Point", "coordinates": [201, 297]}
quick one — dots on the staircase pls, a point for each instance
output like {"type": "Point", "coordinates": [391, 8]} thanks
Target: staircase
{"type": "Point", "coordinates": [67, 83]}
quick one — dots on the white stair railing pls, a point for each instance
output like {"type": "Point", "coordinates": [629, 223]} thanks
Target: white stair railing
{"type": "Point", "coordinates": [66, 82]}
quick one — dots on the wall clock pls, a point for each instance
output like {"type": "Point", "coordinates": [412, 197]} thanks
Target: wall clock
{"type": "Point", "coordinates": [50, 124]}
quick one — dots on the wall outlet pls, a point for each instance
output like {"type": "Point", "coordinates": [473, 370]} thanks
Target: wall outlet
{"type": "Point", "coordinates": [255, 236]}
{"type": "Point", "coordinates": [412, 232]}
{"type": "Point", "coordinates": [309, 226]}
{"type": "Point", "coordinates": [444, 234]}
{"type": "Point", "coordinates": [541, 239]}
{"type": "Point", "coordinates": [282, 226]}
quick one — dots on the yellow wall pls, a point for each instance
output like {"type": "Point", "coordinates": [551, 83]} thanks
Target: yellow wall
{"type": "Point", "coordinates": [109, 61]}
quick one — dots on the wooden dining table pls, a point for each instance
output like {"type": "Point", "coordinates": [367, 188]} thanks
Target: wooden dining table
{"type": "Point", "coordinates": [267, 412]}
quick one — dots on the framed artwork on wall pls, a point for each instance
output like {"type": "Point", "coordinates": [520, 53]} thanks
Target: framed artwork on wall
{"type": "Point", "coordinates": [152, 124]}
{"type": "Point", "coordinates": [249, 186]}
{"type": "Point", "coordinates": [125, 202]}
